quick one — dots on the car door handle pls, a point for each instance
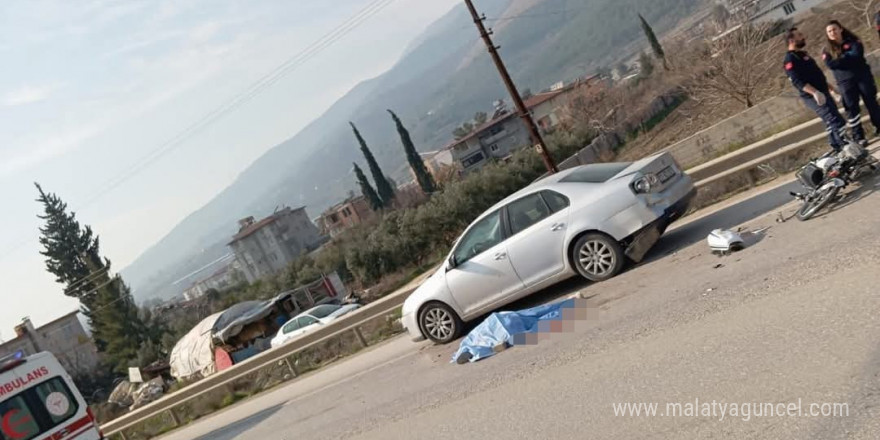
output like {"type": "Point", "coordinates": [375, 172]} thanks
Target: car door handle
{"type": "Point", "coordinates": [557, 227]}
{"type": "Point", "coordinates": [500, 255]}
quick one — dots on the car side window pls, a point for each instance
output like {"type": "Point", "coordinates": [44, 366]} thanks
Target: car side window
{"type": "Point", "coordinates": [482, 236]}
{"type": "Point", "coordinates": [306, 321]}
{"type": "Point", "coordinates": [556, 201]}
{"type": "Point", "coordinates": [291, 326]}
{"type": "Point", "coordinates": [526, 212]}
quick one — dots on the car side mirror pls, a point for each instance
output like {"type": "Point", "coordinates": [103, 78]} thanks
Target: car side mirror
{"type": "Point", "coordinates": [451, 263]}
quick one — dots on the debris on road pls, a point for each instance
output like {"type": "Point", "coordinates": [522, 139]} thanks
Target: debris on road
{"type": "Point", "coordinates": [724, 241]}
{"type": "Point", "coordinates": [502, 330]}
{"type": "Point", "coordinates": [718, 266]}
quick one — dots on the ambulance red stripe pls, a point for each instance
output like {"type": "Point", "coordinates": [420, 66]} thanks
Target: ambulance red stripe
{"type": "Point", "coordinates": [73, 429]}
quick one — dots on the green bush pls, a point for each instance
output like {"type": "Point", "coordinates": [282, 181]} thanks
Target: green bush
{"type": "Point", "coordinates": [411, 237]}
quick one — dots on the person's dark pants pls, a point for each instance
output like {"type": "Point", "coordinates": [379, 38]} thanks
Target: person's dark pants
{"type": "Point", "coordinates": [863, 89]}
{"type": "Point", "coordinates": [834, 123]}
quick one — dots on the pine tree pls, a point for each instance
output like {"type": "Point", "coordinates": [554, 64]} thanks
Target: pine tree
{"type": "Point", "coordinates": [425, 179]}
{"type": "Point", "coordinates": [652, 39]}
{"type": "Point", "coordinates": [67, 248]}
{"type": "Point", "coordinates": [383, 188]}
{"type": "Point", "coordinates": [72, 254]}
{"type": "Point", "coordinates": [367, 189]}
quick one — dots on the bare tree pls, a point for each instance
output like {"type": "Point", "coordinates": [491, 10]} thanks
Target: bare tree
{"type": "Point", "coordinates": [736, 66]}
{"type": "Point", "coordinates": [867, 8]}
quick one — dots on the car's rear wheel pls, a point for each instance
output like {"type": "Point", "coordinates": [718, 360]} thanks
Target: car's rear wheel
{"type": "Point", "coordinates": [440, 323]}
{"type": "Point", "coordinates": [597, 257]}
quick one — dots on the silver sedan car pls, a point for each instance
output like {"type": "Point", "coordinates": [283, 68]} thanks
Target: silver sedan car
{"type": "Point", "coordinates": [587, 221]}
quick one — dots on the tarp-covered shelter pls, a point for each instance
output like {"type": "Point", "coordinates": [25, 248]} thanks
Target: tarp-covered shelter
{"type": "Point", "coordinates": [193, 355]}
{"type": "Point", "coordinates": [245, 329]}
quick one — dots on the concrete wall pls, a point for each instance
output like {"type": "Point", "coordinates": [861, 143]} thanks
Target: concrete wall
{"type": "Point", "coordinates": [741, 129]}
{"type": "Point", "coordinates": [598, 151]}
{"type": "Point", "coordinates": [65, 338]}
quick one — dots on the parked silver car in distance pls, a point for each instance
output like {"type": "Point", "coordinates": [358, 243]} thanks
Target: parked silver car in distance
{"type": "Point", "coordinates": [310, 320]}
{"type": "Point", "coordinates": [588, 220]}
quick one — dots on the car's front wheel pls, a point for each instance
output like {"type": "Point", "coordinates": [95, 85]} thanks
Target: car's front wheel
{"type": "Point", "coordinates": [440, 323]}
{"type": "Point", "coordinates": [597, 257]}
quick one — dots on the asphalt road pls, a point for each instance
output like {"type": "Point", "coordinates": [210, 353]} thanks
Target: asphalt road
{"type": "Point", "coordinates": [792, 318]}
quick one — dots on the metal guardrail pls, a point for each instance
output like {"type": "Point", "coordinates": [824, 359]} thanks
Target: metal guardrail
{"type": "Point", "coordinates": [349, 322]}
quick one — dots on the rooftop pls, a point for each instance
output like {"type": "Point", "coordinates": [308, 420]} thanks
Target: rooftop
{"type": "Point", "coordinates": [251, 229]}
{"type": "Point", "coordinates": [530, 103]}
{"type": "Point", "coordinates": [44, 326]}
{"type": "Point", "coordinates": [333, 209]}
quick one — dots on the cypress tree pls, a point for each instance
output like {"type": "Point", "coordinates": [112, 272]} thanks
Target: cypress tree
{"type": "Point", "coordinates": [73, 255]}
{"type": "Point", "coordinates": [367, 190]}
{"type": "Point", "coordinates": [646, 64]}
{"type": "Point", "coordinates": [425, 179]}
{"type": "Point", "coordinates": [383, 188]}
{"type": "Point", "coordinates": [652, 39]}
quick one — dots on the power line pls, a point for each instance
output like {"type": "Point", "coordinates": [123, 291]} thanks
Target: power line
{"type": "Point", "coordinates": [242, 98]}
{"type": "Point", "coordinates": [266, 81]}
{"type": "Point", "coordinates": [536, 14]}
{"type": "Point", "coordinates": [87, 278]}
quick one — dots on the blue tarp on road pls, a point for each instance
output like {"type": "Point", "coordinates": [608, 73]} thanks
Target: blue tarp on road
{"type": "Point", "coordinates": [503, 327]}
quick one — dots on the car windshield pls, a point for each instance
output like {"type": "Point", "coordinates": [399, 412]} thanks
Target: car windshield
{"type": "Point", "coordinates": [596, 173]}
{"type": "Point", "coordinates": [324, 311]}
{"type": "Point", "coordinates": [37, 410]}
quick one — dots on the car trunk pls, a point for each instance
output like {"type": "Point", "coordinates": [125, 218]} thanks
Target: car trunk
{"type": "Point", "coordinates": [662, 165]}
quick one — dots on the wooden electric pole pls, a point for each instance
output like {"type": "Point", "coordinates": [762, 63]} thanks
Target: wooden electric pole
{"type": "Point", "coordinates": [514, 94]}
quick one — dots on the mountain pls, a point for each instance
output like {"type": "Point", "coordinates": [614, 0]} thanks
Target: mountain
{"type": "Point", "coordinates": [443, 78]}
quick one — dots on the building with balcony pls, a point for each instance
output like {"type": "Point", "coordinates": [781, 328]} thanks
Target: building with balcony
{"type": "Point", "coordinates": [265, 247]}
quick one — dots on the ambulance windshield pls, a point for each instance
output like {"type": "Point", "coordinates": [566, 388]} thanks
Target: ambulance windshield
{"type": "Point", "coordinates": [36, 410]}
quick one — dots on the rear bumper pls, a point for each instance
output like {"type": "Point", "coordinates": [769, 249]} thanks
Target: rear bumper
{"type": "Point", "coordinates": [679, 208]}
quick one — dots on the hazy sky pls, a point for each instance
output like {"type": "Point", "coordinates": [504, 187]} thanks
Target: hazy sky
{"type": "Point", "coordinates": [91, 87]}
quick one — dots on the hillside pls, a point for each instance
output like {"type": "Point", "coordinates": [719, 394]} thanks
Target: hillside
{"type": "Point", "coordinates": [443, 78]}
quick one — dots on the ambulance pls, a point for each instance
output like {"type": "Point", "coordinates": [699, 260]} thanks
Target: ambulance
{"type": "Point", "coordinates": [38, 401]}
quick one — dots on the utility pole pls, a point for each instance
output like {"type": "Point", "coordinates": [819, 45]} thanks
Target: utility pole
{"type": "Point", "coordinates": [511, 88]}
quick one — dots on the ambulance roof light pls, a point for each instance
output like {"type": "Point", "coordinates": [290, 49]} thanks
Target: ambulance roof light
{"type": "Point", "coordinates": [11, 361]}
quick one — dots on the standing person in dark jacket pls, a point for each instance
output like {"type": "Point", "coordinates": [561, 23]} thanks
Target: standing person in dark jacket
{"type": "Point", "coordinates": [806, 76]}
{"type": "Point", "coordinates": [845, 56]}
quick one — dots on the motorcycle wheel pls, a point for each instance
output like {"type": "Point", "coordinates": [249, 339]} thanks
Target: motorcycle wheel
{"type": "Point", "coordinates": [816, 203]}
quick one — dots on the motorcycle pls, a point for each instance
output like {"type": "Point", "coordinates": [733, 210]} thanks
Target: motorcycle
{"type": "Point", "coordinates": [824, 177]}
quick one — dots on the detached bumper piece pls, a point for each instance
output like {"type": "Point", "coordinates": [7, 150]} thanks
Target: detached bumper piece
{"type": "Point", "coordinates": [646, 238]}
